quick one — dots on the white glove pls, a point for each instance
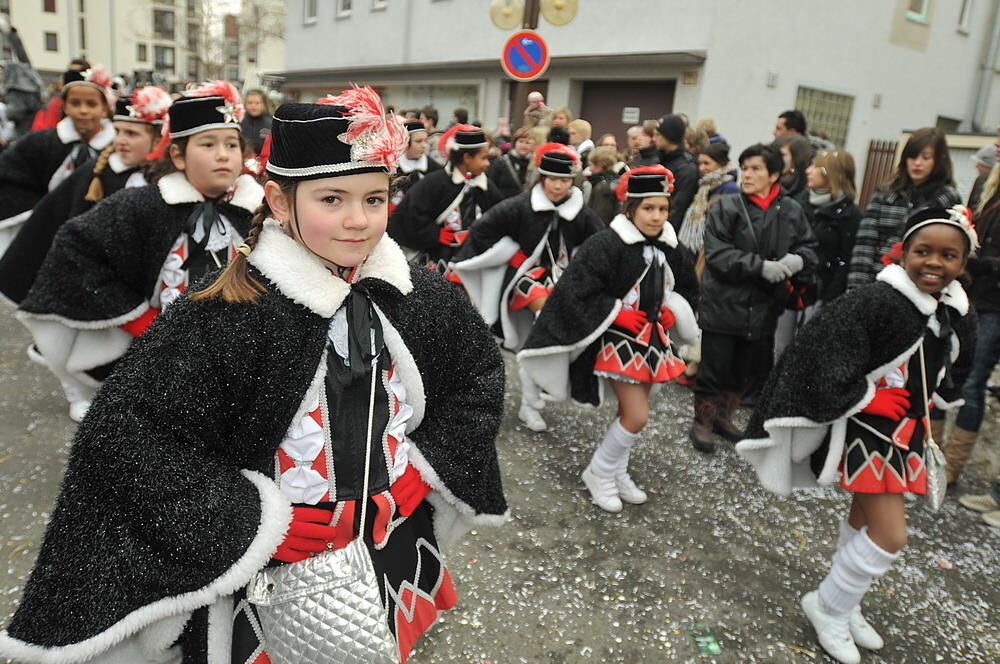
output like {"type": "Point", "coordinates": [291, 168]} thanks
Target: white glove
{"type": "Point", "coordinates": [775, 271]}
{"type": "Point", "coordinates": [793, 262]}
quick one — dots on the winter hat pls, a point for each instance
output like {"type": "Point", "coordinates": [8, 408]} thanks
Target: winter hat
{"type": "Point", "coordinates": [986, 156]}
{"type": "Point", "coordinates": [556, 160]}
{"type": "Point", "coordinates": [717, 152]}
{"type": "Point", "coordinates": [558, 135]}
{"type": "Point", "coordinates": [212, 105]}
{"type": "Point", "coordinates": [645, 181]}
{"type": "Point", "coordinates": [536, 97]}
{"type": "Point", "coordinates": [96, 77]}
{"type": "Point", "coordinates": [672, 128]}
{"type": "Point", "coordinates": [345, 134]}
{"type": "Point", "coordinates": [413, 126]}
{"type": "Point", "coordinates": [461, 137]}
{"type": "Point", "coordinates": [958, 216]}
{"type": "Point", "coordinates": [147, 105]}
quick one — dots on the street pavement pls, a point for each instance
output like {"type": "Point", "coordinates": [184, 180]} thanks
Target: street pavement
{"type": "Point", "coordinates": [564, 583]}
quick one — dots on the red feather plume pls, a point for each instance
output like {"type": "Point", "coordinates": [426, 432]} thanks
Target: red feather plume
{"type": "Point", "coordinates": [548, 148]}
{"type": "Point", "coordinates": [373, 136]}
{"type": "Point", "coordinates": [219, 88]}
{"type": "Point", "coordinates": [621, 191]}
{"type": "Point", "coordinates": [446, 144]}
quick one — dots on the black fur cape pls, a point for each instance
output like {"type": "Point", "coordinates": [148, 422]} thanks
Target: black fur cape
{"type": "Point", "coordinates": [830, 370]}
{"type": "Point", "coordinates": [414, 222]}
{"type": "Point", "coordinates": [520, 223]}
{"type": "Point", "coordinates": [168, 503]}
{"type": "Point", "coordinates": [29, 163]}
{"type": "Point", "coordinates": [24, 256]}
{"type": "Point", "coordinates": [103, 268]}
{"type": "Point", "coordinates": [560, 351]}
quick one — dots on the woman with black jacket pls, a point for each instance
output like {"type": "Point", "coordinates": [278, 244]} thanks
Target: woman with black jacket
{"type": "Point", "coordinates": [835, 218]}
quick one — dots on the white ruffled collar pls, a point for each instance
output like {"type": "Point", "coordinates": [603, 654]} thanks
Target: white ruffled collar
{"type": "Point", "coordinates": [409, 165]}
{"type": "Point", "coordinates": [953, 295]}
{"type": "Point", "coordinates": [175, 189]}
{"type": "Point", "coordinates": [303, 278]}
{"type": "Point", "coordinates": [568, 209]}
{"type": "Point", "coordinates": [459, 178]}
{"type": "Point", "coordinates": [67, 133]}
{"type": "Point", "coordinates": [629, 234]}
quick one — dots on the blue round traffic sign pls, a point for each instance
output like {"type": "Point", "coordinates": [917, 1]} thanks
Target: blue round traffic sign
{"type": "Point", "coordinates": [525, 56]}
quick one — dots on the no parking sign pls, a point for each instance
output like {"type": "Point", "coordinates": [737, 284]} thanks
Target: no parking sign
{"type": "Point", "coordinates": [525, 56]}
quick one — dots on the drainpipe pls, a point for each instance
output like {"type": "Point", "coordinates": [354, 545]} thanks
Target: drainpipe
{"type": "Point", "coordinates": [111, 26]}
{"type": "Point", "coordinates": [986, 74]}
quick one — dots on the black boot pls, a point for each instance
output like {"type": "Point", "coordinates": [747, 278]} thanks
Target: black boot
{"type": "Point", "coordinates": [701, 434]}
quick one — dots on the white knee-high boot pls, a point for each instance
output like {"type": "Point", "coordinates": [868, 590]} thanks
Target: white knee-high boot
{"type": "Point", "coordinates": [856, 566]}
{"type": "Point", "coordinates": [627, 489]}
{"type": "Point", "coordinates": [861, 630]}
{"type": "Point", "coordinates": [600, 474]}
{"type": "Point", "coordinates": [531, 403]}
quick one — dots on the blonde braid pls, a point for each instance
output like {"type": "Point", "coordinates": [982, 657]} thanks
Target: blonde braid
{"type": "Point", "coordinates": [96, 190]}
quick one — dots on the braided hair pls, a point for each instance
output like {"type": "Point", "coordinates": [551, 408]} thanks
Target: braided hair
{"type": "Point", "coordinates": [95, 191]}
{"type": "Point", "coordinates": [235, 283]}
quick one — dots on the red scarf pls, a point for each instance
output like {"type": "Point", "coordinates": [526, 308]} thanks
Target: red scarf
{"type": "Point", "coordinates": [765, 202]}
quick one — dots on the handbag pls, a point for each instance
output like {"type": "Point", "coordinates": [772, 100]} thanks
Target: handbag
{"type": "Point", "coordinates": [934, 462]}
{"type": "Point", "coordinates": [327, 609]}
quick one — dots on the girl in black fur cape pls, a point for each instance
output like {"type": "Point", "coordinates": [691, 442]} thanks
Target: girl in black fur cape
{"type": "Point", "coordinates": [415, 163]}
{"type": "Point", "coordinates": [434, 218]}
{"type": "Point", "coordinates": [113, 269]}
{"type": "Point", "coordinates": [137, 122]}
{"type": "Point", "coordinates": [233, 436]}
{"type": "Point", "coordinates": [517, 251]}
{"type": "Point", "coordinates": [849, 401]}
{"type": "Point", "coordinates": [36, 163]}
{"type": "Point", "coordinates": [622, 303]}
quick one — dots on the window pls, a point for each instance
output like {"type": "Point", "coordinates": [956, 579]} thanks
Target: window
{"type": "Point", "coordinates": [378, 5]}
{"type": "Point", "coordinates": [141, 53]}
{"type": "Point", "coordinates": [193, 37]}
{"type": "Point", "coordinates": [965, 17]}
{"type": "Point", "coordinates": [83, 34]}
{"type": "Point", "coordinates": [49, 7]}
{"type": "Point", "coordinates": [163, 24]}
{"type": "Point", "coordinates": [192, 69]}
{"type": "Point", "coordinates": [5, 7]}
{"type": "Point", "coordinates": [309, 11]}
{"type": "Point", "coordinates": [919, 11]}
{"type": "Point", "coordinates": [83, 6]}
{"type": "Point", "coordinates": [192, 7]}
{"type": "Point", "coordinates": [343, 8]}
{"type": "Point", "coordinates": [51, 41]}
{"type": "Point", "coordinates": [826, 111]}
{"type": "Point", "coordinates": [163, 59]}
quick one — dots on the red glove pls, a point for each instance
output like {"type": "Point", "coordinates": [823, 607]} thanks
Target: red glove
{"type": "Point", "coordinates": [447, 237]}
{"type": "Point", "coordinates": [517, 259]}
{"type": "Point", "coordinates": [139, 326]}
{"type": "Point", "coordinates": [890, 403]}
{"type": "Point", "coordinates": [667, 318]}
{"type": "Point", "coordinates": [309, 532]}
{"type": "Point", "coordinates": [630, 320]}
{"type": "Point", "coordinates": [409, 491]}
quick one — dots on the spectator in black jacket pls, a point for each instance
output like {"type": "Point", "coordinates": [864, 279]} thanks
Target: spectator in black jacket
{"type": "Point", "coordinates": [835, 218]}
{"type": "Point", "coordinates": [670, 143]}
{"type": "Point", "coordinates": [510, 171]}
{"type": "Point", "coordinates": [755, 242]}
{"type": "Point", "coordinates": [256, 124]}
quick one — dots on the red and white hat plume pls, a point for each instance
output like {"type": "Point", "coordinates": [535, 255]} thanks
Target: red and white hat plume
{"type": "Point", "coordinates": [149, 104]}
{"type": "Point", "coordinates": [98, 77]}
{"type": "Point", "coordinates": [962, 216]}
{"type": "Point", "coordinates": [373, 136]}
{"type": "Point", "coordinates": [219, 88]}
{"type": "Point", "coordinates": [447, 143]}
{"type": "Point", "coordinates": [621, 191]}
{"type": "Point", "coordinates": [549, 148]}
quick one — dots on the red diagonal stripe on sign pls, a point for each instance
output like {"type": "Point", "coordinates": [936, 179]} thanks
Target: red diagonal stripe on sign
{"type": "Point", "coordinates": [524, 54]}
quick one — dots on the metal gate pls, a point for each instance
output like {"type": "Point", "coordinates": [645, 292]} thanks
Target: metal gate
{"type": "Point", "coordinates": [879, 166]}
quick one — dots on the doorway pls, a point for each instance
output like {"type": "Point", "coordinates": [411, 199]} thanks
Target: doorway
{"type": "Point", "coordinates": [612, 107]}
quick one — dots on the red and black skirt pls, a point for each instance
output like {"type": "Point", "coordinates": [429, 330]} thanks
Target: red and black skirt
{"type": "Point", "coordinates": [535, 284]}
{"type": "Point", "coordinates": [646, 357]}
{"type": "Point", "coordinates": [882, 456]}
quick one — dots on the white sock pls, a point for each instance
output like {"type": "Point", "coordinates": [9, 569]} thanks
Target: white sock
{"type": "Point", "coordinates": [615, 447]}
{"type": "Point", "coordinates": [529, 390]}
{"type": "Point", "coordinates": [847, 533]}
{"type": "Point", "coordinates": [855, 567]}
{"type": "Point", "coordinates": [71, 391]}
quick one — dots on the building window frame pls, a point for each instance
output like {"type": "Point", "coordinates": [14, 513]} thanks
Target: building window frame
{"type": "Point", "coordinates": [310, 12]}
{"type": "Point", "coordinates": [919, 11]}
{"type": "Point", "coordinates": [827, 110]}
{"type": "Point", "coordinates": [142, 53]}
{"type": "Point", "coordinates": [164, 24]}
{"type": "Point", "coordinates": [51, 41]}
{"type": "Point", "coordinates": [380, 5]}
{"type": "Point", "coordinates": [344, 8]}
{"type": "Point", "coordinates": [159, 63]}
{"type": "Point", "coordinates": [965, 17]}
{"type": "Point", "coordinates": [49, 6]}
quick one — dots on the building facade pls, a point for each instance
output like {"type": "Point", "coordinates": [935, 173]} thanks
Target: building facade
{"type": "Point", "coordinates": [860, 70]}
{"type": "Point", "coordinates": [129, 37]}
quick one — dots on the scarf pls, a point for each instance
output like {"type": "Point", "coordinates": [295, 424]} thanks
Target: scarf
{"type": "Point", "coordinates": [764, 202]}
{"type": "Point", "coordinates": [820, 197]}
{"type": "Point", "coordinates": [692, 234]}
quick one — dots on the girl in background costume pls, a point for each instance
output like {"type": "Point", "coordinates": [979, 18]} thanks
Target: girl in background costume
{"type": "Point", "coordinates": [113, 269]}
{"type": "Point", "coordinates": [414, 164]}
{"type": "Point", "coordinates": [138, 120]}
{"type": "Point", "coordinates": [36, 163]}
{"type": "Point", "coordinates": [236, 435]}
{"type": "Point", "coordinates": [433, 220]}
{"type": "Point", "coordinates": [850, 401]}
{"type": "Point", "coordinates": [518, 250]}
{"type": "Point", "coordinates": [613, 318]}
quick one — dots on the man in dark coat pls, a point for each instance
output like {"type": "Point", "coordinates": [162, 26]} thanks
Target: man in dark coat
{"type": "Point", "coordinates": [756, 245]}
{"type": "Point", "coordinates": [670, 143]}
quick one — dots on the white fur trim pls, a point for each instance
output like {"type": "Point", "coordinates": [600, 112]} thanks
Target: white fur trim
{"type": "Point", "coordinates": [458, 177]}
{"type": "Point", "coordinates": [220, 631]}
{"type": "Point", "coordinates": [568, 209]}
{"type": "Point", "coordinates": [116, 164]}
{"type": "Point", "coordinates": [483, 275]}
{"type": "Point", "coordinates": [939, 402]}
{"type": "Point", "coordinates": [953, 294]}
{"type": "Point", "coordinates": [67, 133]}
{"type": "Point", "coordinates": [10, 222]}
{"type": "Point", "coordinates": [410, 165]}
{"type": "Point", "coordinates": [629, 234]}
{"type": "Point", "coordinates": [25, 317]}
{"type": "Point", "coordinates": [66, 130]}
{"type": "Point", "coordinates": [686, 329]}
{"type": "Point", "coordinates": [549, 367]}
{"type": "Point", "coordinates": [304, 279]}
{"type": "Point", "coordinates": [276, 514]}
{"type": "Point", "coordinates": [175, 189]}
{"type": "Point", "coordinates": [409, 374]}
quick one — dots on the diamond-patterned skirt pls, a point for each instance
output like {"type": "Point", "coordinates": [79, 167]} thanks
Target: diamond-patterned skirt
{"type": "Point", "coordinates": [646, 357]}
{"type": "Point", "coordinates": [881, 456]}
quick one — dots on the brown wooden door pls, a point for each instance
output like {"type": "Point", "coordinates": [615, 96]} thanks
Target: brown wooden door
{"type": "Point", "coordinates": [603, 103]}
